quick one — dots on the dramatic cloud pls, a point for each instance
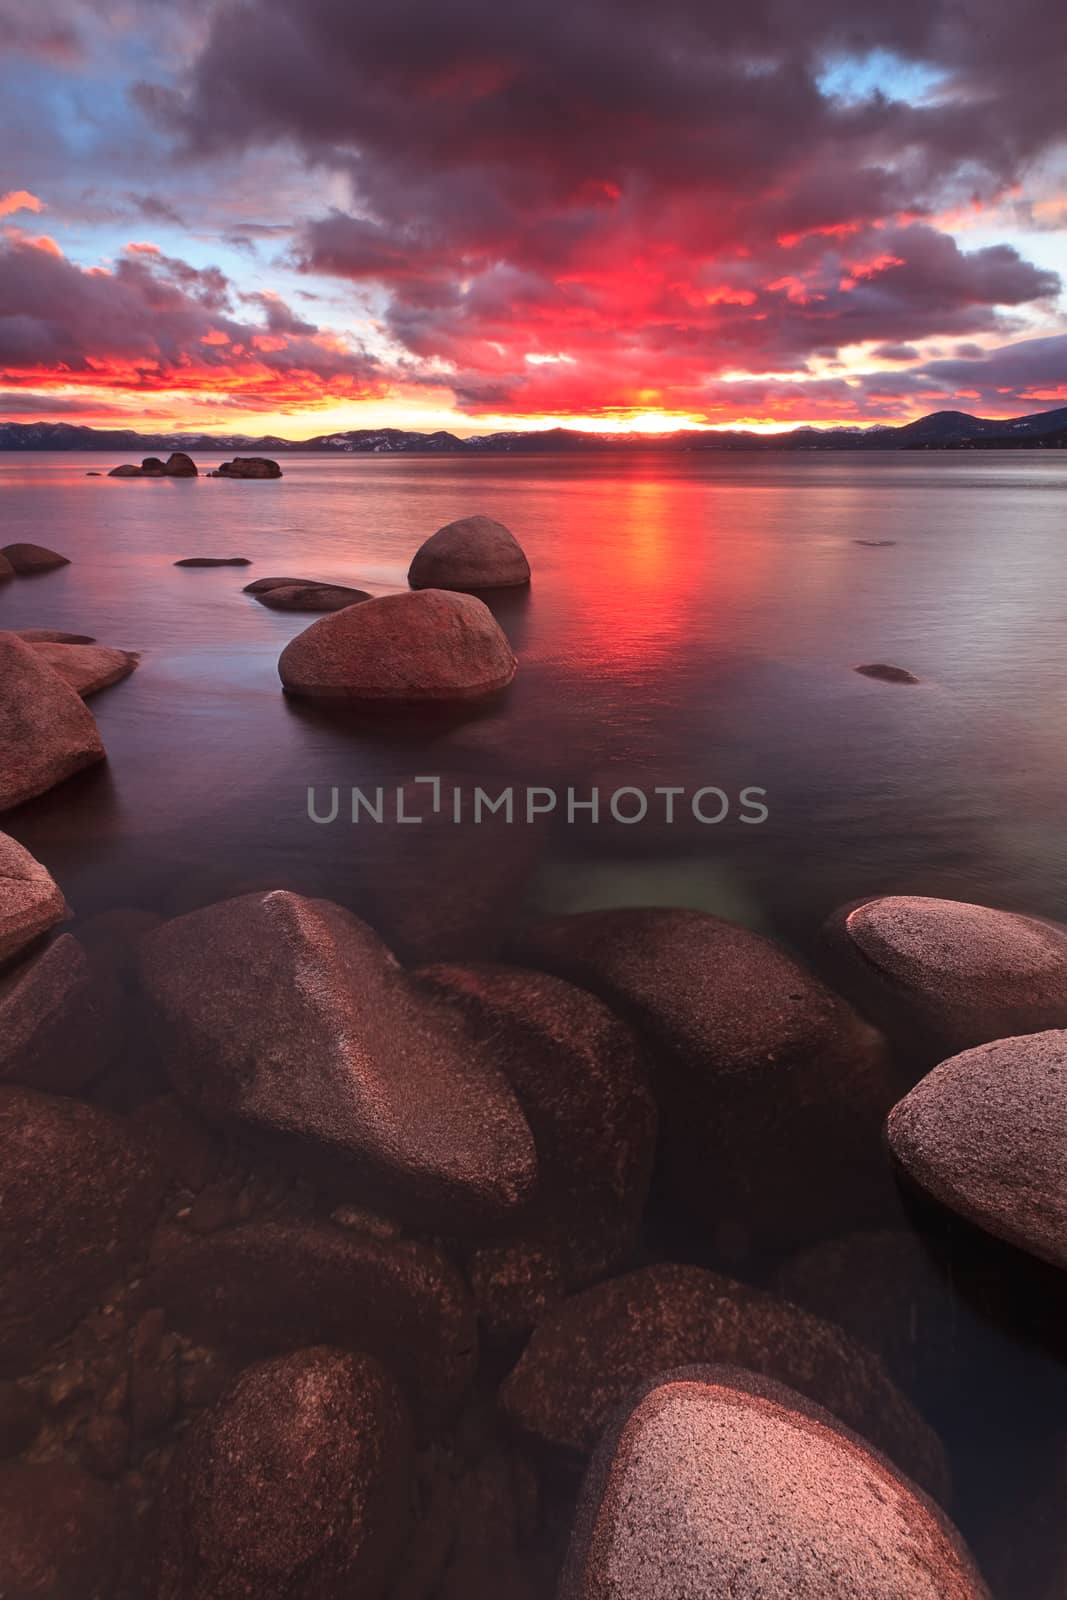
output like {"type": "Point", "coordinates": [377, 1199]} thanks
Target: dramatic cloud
{"type": "Point", "coordinates": [155, 323]}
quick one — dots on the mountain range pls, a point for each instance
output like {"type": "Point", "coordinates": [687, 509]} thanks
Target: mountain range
{"type": "Point", "coordinates": [941, 430]}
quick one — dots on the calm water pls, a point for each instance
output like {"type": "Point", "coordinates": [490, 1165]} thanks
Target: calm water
{"type": "Point", "coordinates": [692, 621]}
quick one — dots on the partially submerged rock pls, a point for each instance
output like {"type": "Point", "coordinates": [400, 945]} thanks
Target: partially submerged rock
{"type": "Point", "coordinates": [52, 636]}
{"type": "Point", "coordinates": [718, 1483]}
{"type": "Point", "coordinates": [986, 1134]}
{"type": "Point", "coordinates": [61, 1537]}
{"type": "Point", "coordinates": [59, 1019]}
{"type": "Point", "coordinates": [294, 1487]}
{"type": "Point", "coordinates": [471, 553]}
{"type": "Point", "coordinates": [772, 1090]}
{"type": "Point", "coordinates": [958, 975]}
{"type": "Point", "coordinates": [290, 1017]}
{"type": "Point", "coordinates": [263, 585]}
{"type": "Point", "coordinates": [591, 1351]}
{"type": "Point", "coordinates": [177, 465]}
{"type": "Point", "coordinates": [79, 1197]}
{"type": "Point", "coordinates": [31, 901]}
{"type": "Point", "coordinates": [46, 733]}
{"type": "Point", "coordinates": [886, 673]}
{"type": "Point", "coordinates": [30, 558]}
{"type": "Point", "coordinates": [425, 645]}
{"type": "Point", "coordinates": [7, 571]}
{"type": "Point", "coordinates": [311, 597]}
{"type": "Point", "coordinates": [214, 561]}
{"type": "Point", "coordinates": [88, 668]}
{"type": "Point", "coordinates": [248, 467]}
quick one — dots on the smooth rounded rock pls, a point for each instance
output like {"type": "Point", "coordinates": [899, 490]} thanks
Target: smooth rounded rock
{"type": "Point", "coordinates": [294, 1487]}
{"type": "Point", "coordinates": [717, 1485]}
{"type": "Point", "coordinates": [248, 467]}
{"type": "Point", "coordinates": [46, 733]}
{"type": "Point", "coordinates": [52, 636]}
{"type": "Point", "coordinates": [31, 901]}
{"type": "Point", "coordinates": [60, 1534]}
{"type": "Point", "coordinates": [290, 1017]}
{"type": "Point", "coordinates": [986, 1134]}
{"type": "Point", "coordinates": [591, 1351]}
{"type": "Point", "coordinates": [30, 558]}
{"type": "Point", "coordinates": [310, 597]}
{"type": "Point", "coordinates": [957, 974]}
{"type": "Point", "coordinates": [264, 585]}
{"type": "Point", "coordinates": [179, 465]}
{"type": "Point", "coordinates": [425, 645]}
{"type": "Point", "coordinates": [886, 673]}
{"type": "Point", "coordinates": [213, 561]}
{"type": "Point", "coordinates": [59, 1019]}
{"type": "Point", "coordinates": [128, 470]}
{"type": "Point", "coordinates": [772, 1090]}
{"type": "Point", "coordinates": [471, 553]}
{"type": "Point", "coordinates": [265, 1287]}
{"type": "Point", "coordinates": [88, 668]}
{"type": "Point", "coordinates": [579, 1077]}
{"type": "Point", "coordinates": [7, 571]}
{"type": "Point", "coordinates": [78, 1195]}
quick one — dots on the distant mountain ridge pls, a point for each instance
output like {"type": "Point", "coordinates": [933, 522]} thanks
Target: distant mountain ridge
{"type": "Point", "coordinates": [941, 430]}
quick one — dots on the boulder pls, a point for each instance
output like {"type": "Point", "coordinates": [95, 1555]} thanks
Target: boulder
{"type": "Point", "coordinates": [78, 1194]}
{"type": "Point", "coordinates": [472, 553]}
{"type": "Point", "coordinates": [61, 1536]}
{"type": "Point", "coordinates": [214, 561]}
{"type": "Point", "coordinates": [589, 1352]}
{"type": "Point", "coordinates": [290, 1017]}
{"type": "Point", "coordinates": [577, 1073]}
{"type": "Point", "coordinates": [179, 465]}
{"type": "Point", "coordinates": [152, 466]}
{"type": "Point", "coordinates": [263, 585]}
{"type": "Point", "coordinates": [947, 975]}
{"type": "Point", "coordinates": [311, 597]}
{"type": "Point", "coordinates": [59, 1019]}
{"type": "Point", "coordinates": [127, 470]}
{"type": "Point", "coordinates": [248, 467]}
{"type": "Point", "coordinates": [29, 558]}
{"type": "Point", "coordinates": [986, 1134]}
{"type": "Point", "coordinates": [31, 901]}
{"type": "Point", "coordinates": [262, 1288]}
{"type": "Point", "coordinates": [52, 636]}
{"type": "Point", "coordinates": [714, 1483]}
{"type": "Point", "coordinates": [7, 571]}
{"type": "Point", "coordinates": [294, 1487]}
{"type": "Point", "coordinates": [425, 645]}
{"type": "Point", "coordinates": [88, 668]}
{"type": "Point", "coordinates": [772, 1091]}
{"type": "Point", "coordinates": [46, 733]}
{"type": "Point", "coordinates": [885, 673]}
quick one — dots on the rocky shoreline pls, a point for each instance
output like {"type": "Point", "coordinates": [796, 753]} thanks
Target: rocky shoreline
{"type": "Point", "coordinates": [438, 1252]}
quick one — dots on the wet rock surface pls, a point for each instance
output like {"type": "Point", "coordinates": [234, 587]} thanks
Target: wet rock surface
{"type": "Point", "coordinates": [31, 901]}
{"type": "Point", "coordinates": [46, 734]}
{"type": "Point", "coordinates": [986, 1134]}
{"type": "Point", "coordinates": [718, 1483]}
{"type": "Point", "coordinates": [88, 668]}
{"type": "Point", "coordinates": [59, 1019]}
{"type": "Point", "coordinates": [310, 597]}
{"type": "Point", "coordinates": [59, 1534]}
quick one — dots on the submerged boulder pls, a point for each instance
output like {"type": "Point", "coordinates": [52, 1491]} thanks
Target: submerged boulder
{"type": "Point", "coordinates": [78, 1194]}
{"type": "Point", "coordinates": [986, 1134]}
{"type": "Point", "coordinates": [263, 585]}
{"type": "Point", "coordinates": [52, 636]}
{"type": "Point", "coordinates": [772, 1090]}
{"type": "Point", "coordinates": [127, 470]}
{"type": "Point", "coordinates": [310, 597]}
{"type": "Point", "coordinates": [7, 571]}
{"type": "Point", "coordinates": [954, 974]}
{"type": "Point", "coordinates": [61, 1534]}
{"type": "Point", "coordinates": [30, 558]}
{"type": "Point", "coordinates": [886, 673]}
{"type": "Point", "coordinates": [588, 1354]}
{"type": "Point", "coordinates": [248, 467]}
{"type": "Point", "coordinates": [31, 901]}
{"type": "Point", "coordinates": [717, 1483]}
{"type": "Point", "coordinates": [425, 645]}
{"type": "Point", "coordinates": [295, 1486]}
{"type": "Point", "coordinates": [472, 553]}
{"type": "Point", "coordinates": [59, 1022]}
{"type": "Point", "coordinates": [46, 733]}
{"type": "Point", "coordinates": [290, 1017]}
{"type": "Point", "coordinates": [88, 668]}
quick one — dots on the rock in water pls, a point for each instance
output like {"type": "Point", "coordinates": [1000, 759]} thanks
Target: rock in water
{"type": "Point", "coordinates": [59, 1019]}
{"type": "Point", "coordinates": [52, 636]}
{"type": "Point", "coordinates": [88, 668]}
{"type": "Point", "coordinates": [128, 470]}
{"type": "Point", "coordinates": [294, 1487]}
{"type": "Point", "coordinates": [291, 1017]}
{"type": "Point", "coordinates": [718, 1484]}
{"type": "Point", "coordinates": [248, 467]}
{"type": "Point", "coordinates": [310, 597]}
{"type": "Point", "coordinates": [886, 673]}
{"type": "Point", "coordinates": [425, 645]}
{"type": "Point", "coordinates": [263, 585]}
{"type": "Point", "coordinates": [214, 561]}
{"type": "Point", "coordinates": [46, 733]}
{"type": "Point", "coordinates": [986, 1134]}
{"type": "Point", "coordinates": [7, 571]}
{"type": "Point", "coordinates": [30, 901]}
{"type": "Point", "coordinates": [772, 1091]}
{"type": "Point", "coordinates": [61, 1537]}
{"type": "Point", "coordinates": [29, 558]}
{"type": "Point", "coordinates": [266, 1287]}
{"type": "Point", "coordinates": [179, 465]}
{"type": "Point", "coordinates": [591, 1351]}
{"type": "Point", "coordinates": [473, 553]}
{"type": "Point", "coordinates": [958, 975]}
{"type": "Point", "coordinates": [78, 1194]}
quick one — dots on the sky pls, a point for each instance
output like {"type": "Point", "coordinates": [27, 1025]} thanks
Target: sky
{"type": "Point", "coordinates": [300, 216]}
